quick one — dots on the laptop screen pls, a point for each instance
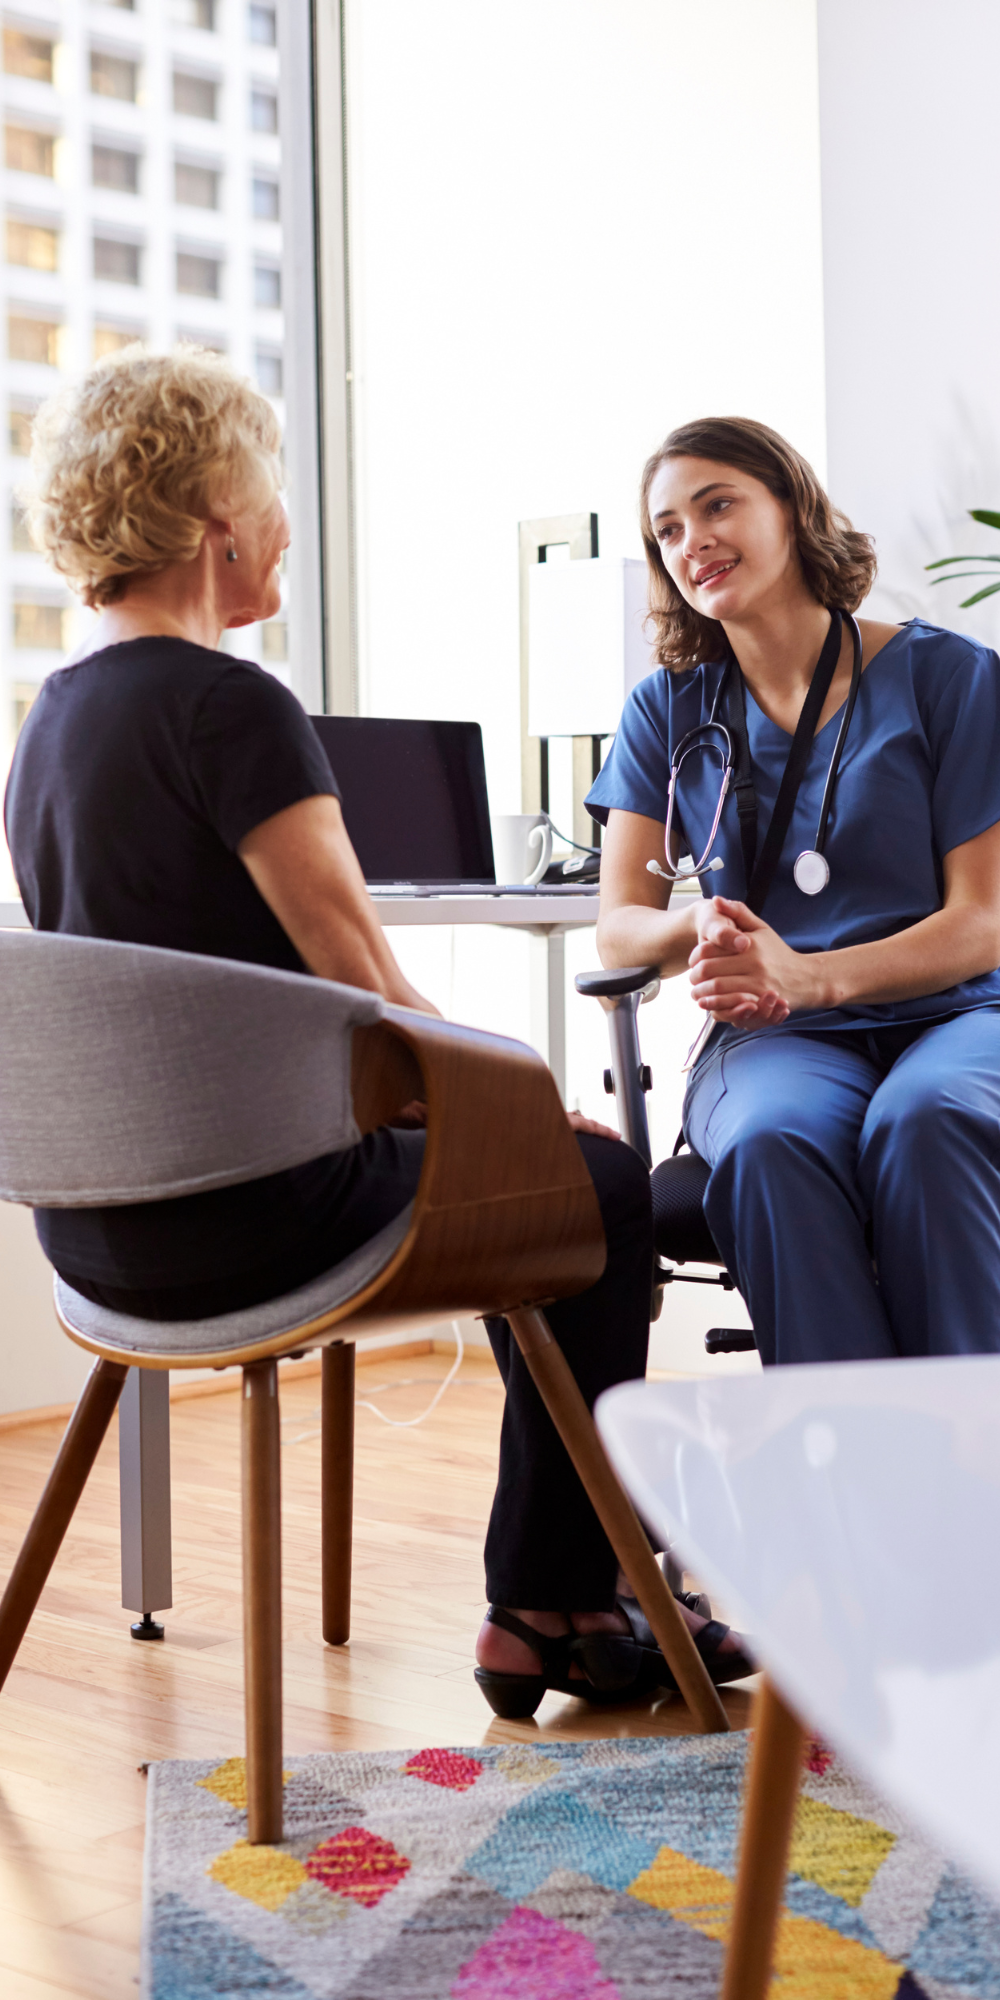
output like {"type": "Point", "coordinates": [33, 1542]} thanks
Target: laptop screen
{"type": "Point", "coordinates": [413, 795]}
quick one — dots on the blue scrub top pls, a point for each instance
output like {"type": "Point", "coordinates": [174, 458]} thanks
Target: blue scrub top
{"type": "Point", "coordinates": [919, 775]}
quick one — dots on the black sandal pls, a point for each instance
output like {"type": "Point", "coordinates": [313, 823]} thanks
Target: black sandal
{"type": "Point", "coordinates": [617, 1666]}
{"type": "Point", "coordinates": [614, 1667]}
{"type": "Point", "coordinates": [722, 1667]}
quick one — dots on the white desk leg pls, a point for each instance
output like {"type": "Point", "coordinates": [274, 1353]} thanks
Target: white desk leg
{"type": "Point", "coordinates": [144, 1478]}
{"type": "Point", "coordinates": [548, 1001]}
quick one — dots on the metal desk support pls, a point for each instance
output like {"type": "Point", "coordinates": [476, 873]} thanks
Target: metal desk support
{"type": "Point", "coordinates": [144, 1478]}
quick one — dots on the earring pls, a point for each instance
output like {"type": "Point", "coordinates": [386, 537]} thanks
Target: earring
{"type": "Point", "coordinates": [230, 550]}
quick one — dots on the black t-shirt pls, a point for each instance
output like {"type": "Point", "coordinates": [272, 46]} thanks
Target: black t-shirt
{"type": "Point", "coordinates": [137, 774]}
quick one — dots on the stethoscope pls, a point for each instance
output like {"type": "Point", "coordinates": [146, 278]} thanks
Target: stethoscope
{"type": "Point", "coordinates": [811, 870]}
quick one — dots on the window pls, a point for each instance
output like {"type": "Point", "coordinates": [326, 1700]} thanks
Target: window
{"type": "Point", "coordinates": [38, 625]}
{"type": "Point", "coordinates": [32, 339]}
{"type": "Point", "coordinates": [193, 14]}
{"type": "Point", "coordinates": [269, 372]}
{"type": "Point", "coordinates": [265, 200]}
{"type": "Point", "coordinates": [194, 96]}
{"type": "Point", "coordinates": [266, 285]}
{"type": "Point", "coordinates": [31, 244]}
{"type": "Point", "coordinates": [20, 418]}
{"type": "Point", "coordinates": [113, 167]}
{"type": "Point", "coordinates": [113, 76]}
{"type": "Point", "coordinates": [27, 55]}
{"type": "Point", "coordinates": [20, 534]}
{"type": "Point", "coordinates": [262, 25]}
{"type": "Point", "coordinates": [198, 275]}
{"type": "Point", "coordinates": [27, 151]}
{"type": "Point", "coordinates": [22, 696]}
{"type": "Point", "coordinates": [274, 641]}
{"type": "Point", "coordinates": [111, 340]}
{"type": "Point", "coordinates": [263, 111]}
{"type": "Point", "coordinates": [116, 260]}
{"type": "Point", "coordinates": [196, 187]}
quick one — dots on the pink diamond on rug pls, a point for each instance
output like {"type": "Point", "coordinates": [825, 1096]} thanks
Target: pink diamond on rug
{"type": "Point", "coordinates": [532, 1958]}
{"type": "Point", "coordinates": [358, 1864]}
{"type": "Point", "coordinates": [444, 1767]}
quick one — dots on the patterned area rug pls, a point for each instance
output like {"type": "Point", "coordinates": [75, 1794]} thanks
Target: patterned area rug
{"type": "Point", "coordinates": [582, 1871]}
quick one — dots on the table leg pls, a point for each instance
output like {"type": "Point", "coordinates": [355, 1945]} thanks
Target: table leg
{"type": "Point", "coordinates": [144, 1479]}
{"type": "Point", "coordinates": [548, 1002]}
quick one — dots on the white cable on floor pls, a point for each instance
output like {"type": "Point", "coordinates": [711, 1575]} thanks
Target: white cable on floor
{"type": "Point", "coordinates": [397, 1423]}
{"type": "Point", "coordinates": [407, 1423]}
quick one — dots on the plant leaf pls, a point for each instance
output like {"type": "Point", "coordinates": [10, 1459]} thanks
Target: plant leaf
{"type": "Point", "coordinates": [943, 561]}
{"type": "Point", "coordinates": [978, 598]}
{"type": "Point", "coordinates": [962, 577]}
{"type": "Point", "coordinates": [989, 520]}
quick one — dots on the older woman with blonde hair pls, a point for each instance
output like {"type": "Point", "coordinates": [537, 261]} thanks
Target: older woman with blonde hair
{"type": "Point", "coordinates": [165, 793]}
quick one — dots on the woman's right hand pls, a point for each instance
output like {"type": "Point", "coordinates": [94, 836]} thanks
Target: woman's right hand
{"type": "Point", "coordinates": [719, 936]}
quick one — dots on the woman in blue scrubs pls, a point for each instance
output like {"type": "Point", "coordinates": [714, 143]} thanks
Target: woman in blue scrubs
{"type": "Point", "coordinates": [848, 1097]}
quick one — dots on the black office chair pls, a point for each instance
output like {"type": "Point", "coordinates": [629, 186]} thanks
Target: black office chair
{"type": "Point", "coordinates": [681, 1234]}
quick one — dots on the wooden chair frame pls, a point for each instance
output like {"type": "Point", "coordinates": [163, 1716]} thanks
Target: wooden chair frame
{"type": "Point", "coordinates": [497, 1227]}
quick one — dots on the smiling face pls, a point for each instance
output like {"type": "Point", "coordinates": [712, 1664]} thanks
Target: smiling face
{"type": "Point", "coordinates": [726, 543]}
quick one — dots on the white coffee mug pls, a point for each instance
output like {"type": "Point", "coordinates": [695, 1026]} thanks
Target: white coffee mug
{"type": "Point", "coordinates": [522, 847]}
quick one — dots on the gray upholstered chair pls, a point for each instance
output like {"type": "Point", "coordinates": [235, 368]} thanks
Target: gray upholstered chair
{"type": "Point", "coordinates": [129, 1074]}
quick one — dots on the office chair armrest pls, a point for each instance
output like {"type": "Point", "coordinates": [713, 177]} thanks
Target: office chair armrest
{"type": "Point", "coordinates": [613, 985]}
{"type": "Point", "coordinates": [505, 1212]}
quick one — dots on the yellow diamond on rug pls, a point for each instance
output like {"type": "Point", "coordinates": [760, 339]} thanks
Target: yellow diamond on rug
{"type": "Point", "coordinates": [262, 1874]}
{"type": "Point", "coordinates": [229, 1782]}
{"type": "Point", "coordinates": [837, 1851]}
{"type": "Point", "coordinates": [809, 1959]}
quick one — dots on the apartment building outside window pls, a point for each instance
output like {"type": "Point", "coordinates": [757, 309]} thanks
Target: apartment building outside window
{"type": "Point", "coordinates": [263, 111]}
{"type": "Point", "coordinates": [114, 167]}
{"type": "Point", "coordinates": [32, 244]}
{"type": "Point", "coordinates": [29, 151]}
{"type": "Point", "coordinates": [194, 186]}
{"type": "Point", "coordinates": [262, 26]}
{"type": "Point", "coordinates": [113, 76]}
{"type": "Point", "coordinates": [33, 338]}
{"type": "Point", "coordinates": [195, 96]}
{"type": "Point", "coordinates": [142, 164]}
{"type": "Point", "coordinates": [27, 55]}
{"type": "Point", "coordinates": [198, 275]}
{"type": "Point", "coordinates": [116, 260]}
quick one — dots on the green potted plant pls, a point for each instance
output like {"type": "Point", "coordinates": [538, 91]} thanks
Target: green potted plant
{"type": "Point", "coordinates": [989, 520]}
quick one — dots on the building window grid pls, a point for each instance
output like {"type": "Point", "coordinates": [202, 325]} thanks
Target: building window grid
{"type": "Point", "coordinates": [36, 624]}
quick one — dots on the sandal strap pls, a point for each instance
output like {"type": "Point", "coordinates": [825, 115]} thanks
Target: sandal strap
{"type": "Point", "coordinates": [553, 1652]}
{"type": "Point", "coordinates": [710, 1638]}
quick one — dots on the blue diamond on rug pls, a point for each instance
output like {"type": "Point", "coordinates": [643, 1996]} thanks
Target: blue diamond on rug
{"type": "Point", "coordinates": [581, 1871]}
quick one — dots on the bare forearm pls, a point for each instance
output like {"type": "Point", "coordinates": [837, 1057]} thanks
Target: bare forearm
{"type": "Point", "coordinates": [957, 943]}
{"type": "Point", "coordinates": [634, 934]}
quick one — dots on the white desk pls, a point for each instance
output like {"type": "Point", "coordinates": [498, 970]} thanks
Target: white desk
{"type": "Point", "coordinates": [545, 918]}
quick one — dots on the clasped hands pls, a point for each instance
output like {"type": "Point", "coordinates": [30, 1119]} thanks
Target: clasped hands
{"type": "Point", "coordinates": [741, 971]}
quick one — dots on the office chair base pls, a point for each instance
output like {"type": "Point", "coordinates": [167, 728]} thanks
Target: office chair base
{"type": "Point", "coordinates": [730, 1340]}
{"type": "Point", "coordinates": [147, 1628]}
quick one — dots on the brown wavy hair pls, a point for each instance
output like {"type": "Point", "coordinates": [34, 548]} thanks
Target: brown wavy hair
{"type": "Point", "coordinates": [837, 562]}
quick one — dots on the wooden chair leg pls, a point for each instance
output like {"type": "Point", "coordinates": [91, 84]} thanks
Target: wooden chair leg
{"type": "Point", "coordinates": [561, 1395]}
{"type": "Point", "coordinates": [337, 1489]}
{"type": "Point", "coordinates": [84, 1436]}
{"type": "Point", "coordinates": [261, 1440]}
{"type": "Point", "coordinates": [772, 1793]}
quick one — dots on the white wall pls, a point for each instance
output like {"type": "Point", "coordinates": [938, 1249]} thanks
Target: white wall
{"type": "Point", "coordinates": [908, 96]}
{"type": "Point", "coordinates": [573, 226]}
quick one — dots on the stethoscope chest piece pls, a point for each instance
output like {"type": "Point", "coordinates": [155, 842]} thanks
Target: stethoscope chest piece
{"type": "Point", "coordinates": [811, 872]}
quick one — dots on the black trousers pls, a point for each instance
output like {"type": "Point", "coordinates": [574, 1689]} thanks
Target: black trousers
{"type": "Point", "coordinates": [545, 1548]}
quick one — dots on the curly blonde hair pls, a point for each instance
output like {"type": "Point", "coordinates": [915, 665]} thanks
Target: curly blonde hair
{"type": "Point", "coordinates": [128, 464]}
{"type": "Point", "coordinates": [837, 562]}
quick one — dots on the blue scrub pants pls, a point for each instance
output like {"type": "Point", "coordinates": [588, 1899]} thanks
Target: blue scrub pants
{"type": "Point", "coordinates": [812, 1139]}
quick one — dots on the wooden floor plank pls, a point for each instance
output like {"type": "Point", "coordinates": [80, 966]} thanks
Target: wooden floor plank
{"type": "Point", "coordinates": [85, 1707]}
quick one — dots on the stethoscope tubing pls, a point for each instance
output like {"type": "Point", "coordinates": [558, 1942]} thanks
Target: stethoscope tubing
{"type": "Point", "coordinates": [695, 740]}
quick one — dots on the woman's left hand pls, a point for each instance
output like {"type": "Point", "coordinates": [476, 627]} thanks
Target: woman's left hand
{"type": "Point", "coordinates": [758, 985]}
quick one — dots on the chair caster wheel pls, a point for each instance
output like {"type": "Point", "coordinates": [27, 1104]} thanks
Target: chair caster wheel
{"type": "Point", "coordinates": [146, 1628]}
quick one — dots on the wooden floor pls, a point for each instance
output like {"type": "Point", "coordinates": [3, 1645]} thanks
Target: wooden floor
{"type": "Point", "coordinates": [85, 1706]}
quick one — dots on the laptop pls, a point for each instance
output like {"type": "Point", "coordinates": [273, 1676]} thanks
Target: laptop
{"type": "Point", "coordinates": [415, 805]}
